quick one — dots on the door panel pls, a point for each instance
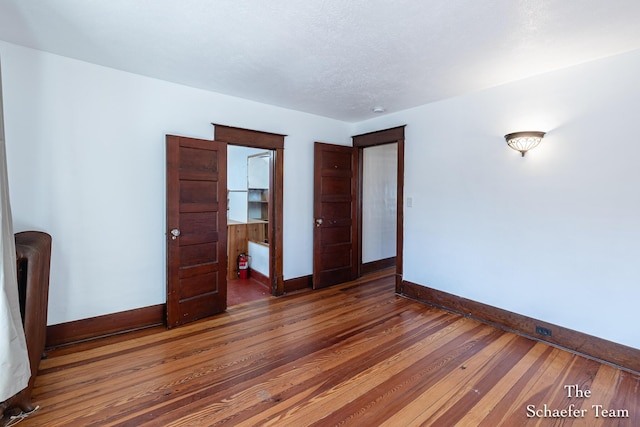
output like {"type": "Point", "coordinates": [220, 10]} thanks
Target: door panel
{"type": "Point", "coordinates": [196, 212]}
{"type": "Point", "coordinates": [336, 210]}
{"type": "Point", "coordinates": [335, 231]}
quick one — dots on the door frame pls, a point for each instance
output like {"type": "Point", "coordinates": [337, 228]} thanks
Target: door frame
{"type": "Point", "coordinates": [274, 142]}
{"type": "Point", "coordinates": [371, 139]}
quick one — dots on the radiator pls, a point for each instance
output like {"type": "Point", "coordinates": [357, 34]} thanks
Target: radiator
{"type": "Point", "coordinates": [33, 259]}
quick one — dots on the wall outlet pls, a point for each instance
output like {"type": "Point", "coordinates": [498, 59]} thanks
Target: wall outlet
{"type": "Point", "coordinates": [543, 331]}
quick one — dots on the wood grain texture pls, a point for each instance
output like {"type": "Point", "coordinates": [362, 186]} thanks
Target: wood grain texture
{"type": "Point", "coordinates": [353, 354]}
{"type": "Point", "coordinates": [381, 264]}
{"type": "Point", "coordinates": [275, 142]}
{"type": "Point", "coordinates": [379, 137]}
{"type": "Point", "coordinates": [598, 348]}
{"type": "Point", "coordinates": [248, 137]}
{"type": "Point", "coordinates": [236, 245]}
{"type": "Point", "coordinates": [400, 217]}
{"type": "Point", "coordinates": [106, 325]}
{"type": "Point", "coordinates": [276, 226]}
{"type": "Point", "coordinates": [335, 234]}
{"type": "Point", "coordinates": [196, 206]}
{"type": "Point", "coordinates": [298, 283]}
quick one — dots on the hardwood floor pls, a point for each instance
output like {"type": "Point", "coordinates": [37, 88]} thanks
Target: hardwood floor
{"type": "Point", "coordinates": [354, 354]}
{"type": "Point", "coordinates": [245, 290]}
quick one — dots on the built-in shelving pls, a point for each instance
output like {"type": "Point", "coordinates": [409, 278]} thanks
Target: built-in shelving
{"type": "Point", "coordinates": [258, 204]}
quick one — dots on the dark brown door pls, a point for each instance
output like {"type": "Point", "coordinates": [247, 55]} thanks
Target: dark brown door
{"type": "Point", "coordinates": [196, 229]}
{"type": "Point", "coordinates": [334, 208]}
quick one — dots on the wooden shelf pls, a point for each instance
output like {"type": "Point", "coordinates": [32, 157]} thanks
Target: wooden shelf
{"type": "Point", "coordinates": [258, 204]}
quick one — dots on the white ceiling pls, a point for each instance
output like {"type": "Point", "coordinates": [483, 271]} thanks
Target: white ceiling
{"type": "Point", "coordinates": [334, 58]}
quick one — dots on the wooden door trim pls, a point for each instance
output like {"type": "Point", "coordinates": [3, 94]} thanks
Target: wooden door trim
{"type": "Point", "coordinates": [276, 227]}
{"type": "Point", "coordinates": [359, 206]}
{"type": "Point", "coordinates": [275, 142]}
{"type": "Point", "coordinates": [371, 139]}
{"type": "Point", "coordinates": [248, 137]}
{"type": "Point", "coordinates": [172, 187]}
{"type": "Point", "coordinates": [400, 217]}
{"type": "Point", "coordinates": [379, 137]}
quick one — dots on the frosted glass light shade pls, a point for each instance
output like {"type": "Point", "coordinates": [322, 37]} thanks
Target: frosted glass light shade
{"type": "Point", "coordinates": [524, 141]}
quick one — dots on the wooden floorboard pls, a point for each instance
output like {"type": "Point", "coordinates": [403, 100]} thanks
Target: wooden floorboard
{"type": "Point", "coordinates": [354, 354]}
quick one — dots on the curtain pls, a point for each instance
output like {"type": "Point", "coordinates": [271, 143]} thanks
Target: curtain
{"type": "Point", "coordinates": [14, 359]}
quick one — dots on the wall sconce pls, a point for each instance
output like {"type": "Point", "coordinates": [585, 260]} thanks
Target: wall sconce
{"type": "Point", "coordinates": [524, 141]}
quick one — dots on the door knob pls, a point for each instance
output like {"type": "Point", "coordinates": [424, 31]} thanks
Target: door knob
{"type": "Point", "coordinates": [318, 222]}
{"type": "Point", "coordinates": [175, 233]}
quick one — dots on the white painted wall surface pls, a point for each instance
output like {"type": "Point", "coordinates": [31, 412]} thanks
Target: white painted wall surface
{"type": "Point", "coordinates": [237, 208]}
{"type": "Point", "coordinates": [259, 258]}
{"type": "Point", "coordinates": [237, 180]}
{"type": "Point", "coordinates": [86, 154]}
{"type": "Point", "coordinates": [554, 235]}
{"type": "Point", "coordinates": [379, 206]}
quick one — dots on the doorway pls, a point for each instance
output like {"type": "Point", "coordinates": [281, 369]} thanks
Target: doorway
{"type": "Point", "coordinates": [249, 178]}
{"type": "Point", "coordinates": [380, 138]}
{"type": "Point", "coordinates": [378, 189]}
{"type": "Point", "coordinates": [338, 209]}
{"type": "Point", "coordinates": [272, 227]}
{"type": "Point", "coordinates": [197, 253]}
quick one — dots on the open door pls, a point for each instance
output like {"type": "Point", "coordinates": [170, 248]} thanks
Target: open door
{"type": "Point", "coordinates": [335, 238]}
{"type": "Point", "coordinates": [196, 229]}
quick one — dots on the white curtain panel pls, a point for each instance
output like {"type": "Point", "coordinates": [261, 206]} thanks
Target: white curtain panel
{"type": "Point", "coordinates": [14, 359]}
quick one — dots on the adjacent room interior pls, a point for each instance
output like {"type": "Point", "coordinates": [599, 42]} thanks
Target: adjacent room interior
{"type": "Point", "coordinates": [249, 178]}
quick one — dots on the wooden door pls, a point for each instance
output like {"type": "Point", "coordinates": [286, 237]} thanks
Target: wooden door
{"type": "Point", "coordinates": [334, 206]}
{"type": "Point", "coordinates": [196, 229]}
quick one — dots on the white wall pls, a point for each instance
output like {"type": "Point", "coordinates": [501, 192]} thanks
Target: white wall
{"type": "Point", "coordinates": [259, 258]}
{"type": "Point", "coordinates": [237, 180]}
{"type": "Point", "coordinates": [86, 154]}
{"type": "Point", "coordinates": [379, 202]}
{"type": "Point", "coordinates": [554, 235]}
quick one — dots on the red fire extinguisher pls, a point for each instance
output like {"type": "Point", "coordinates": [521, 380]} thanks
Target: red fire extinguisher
{"type": "Point", "coordinates": [243, 266]}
